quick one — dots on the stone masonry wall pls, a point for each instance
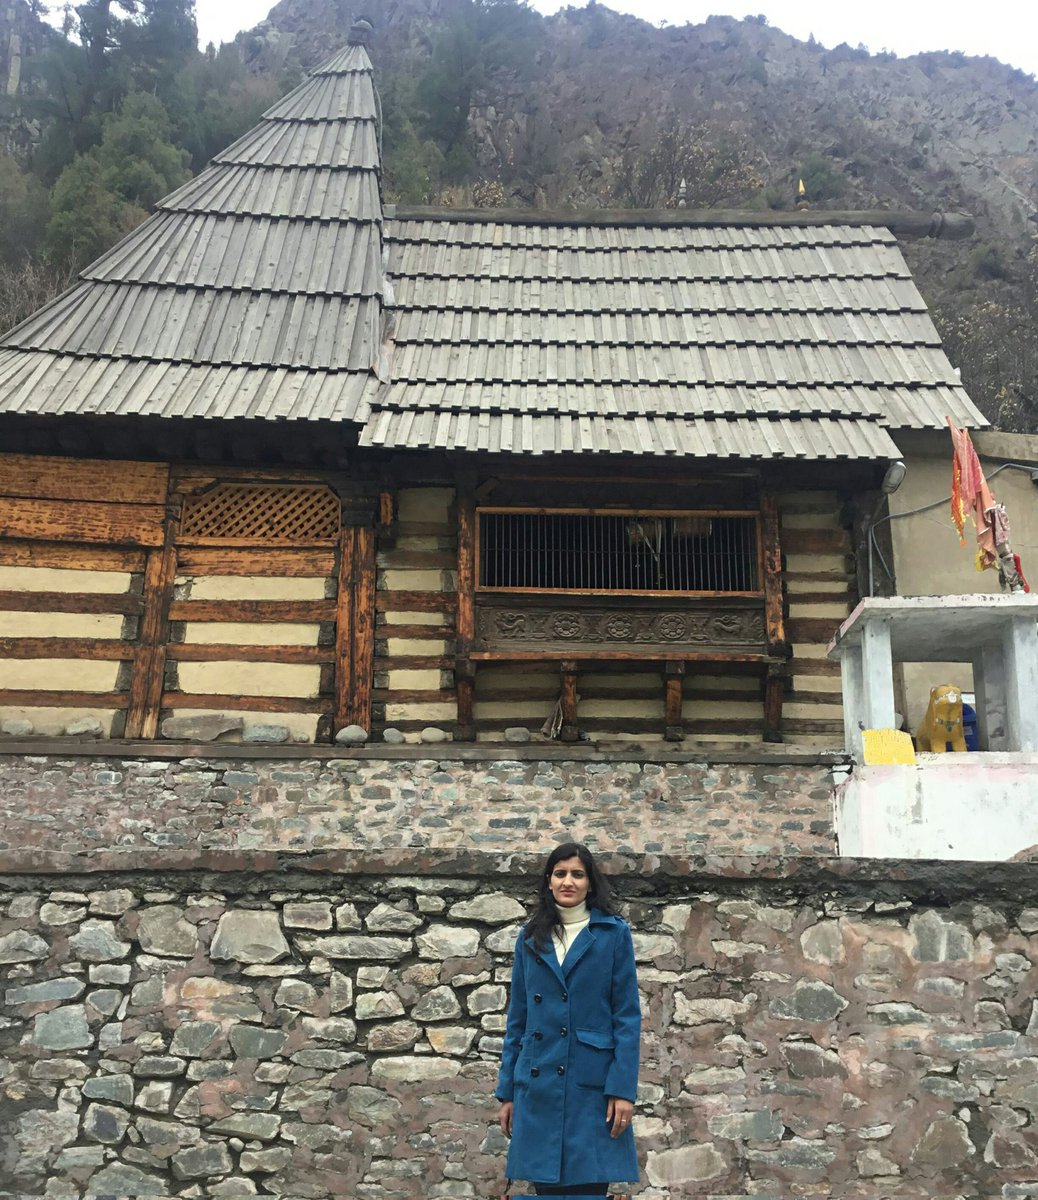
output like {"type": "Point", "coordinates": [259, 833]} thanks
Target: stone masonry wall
{"type": "Point", "coordinates": [809, 1029]}
{"type": "Point", "coordinates": [675, 805]}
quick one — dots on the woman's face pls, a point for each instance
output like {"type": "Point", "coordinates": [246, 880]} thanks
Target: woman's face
{"type": "Point", "coordinates": [569, 881]}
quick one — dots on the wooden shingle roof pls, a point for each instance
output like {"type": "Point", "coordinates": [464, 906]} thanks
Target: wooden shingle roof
{"type": "Point", "coordinates": [271, 285]}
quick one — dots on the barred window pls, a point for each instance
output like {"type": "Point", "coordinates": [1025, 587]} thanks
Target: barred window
{"type": "Point", "coordinates": [598, 551]}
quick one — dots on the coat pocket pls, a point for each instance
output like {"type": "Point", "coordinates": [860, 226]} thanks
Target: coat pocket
{"type": "Point", "coordinates": [592, 1057]}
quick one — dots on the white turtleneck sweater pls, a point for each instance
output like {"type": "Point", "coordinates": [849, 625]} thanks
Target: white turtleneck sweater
{"type": "Point", "coordinates": [574, 918]}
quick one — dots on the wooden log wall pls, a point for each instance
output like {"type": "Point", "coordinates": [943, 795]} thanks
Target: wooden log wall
{"type": "Point", "coordinates": [820, 593]}
{"type": "Point", "coordinates": [415, 609]}
{"type": "Point", "coordinates": [76, 538]}
{"type": "Point", "coordinates": [112, 639]}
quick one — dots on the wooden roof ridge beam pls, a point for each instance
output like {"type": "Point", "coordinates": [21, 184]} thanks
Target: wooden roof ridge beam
{"type": "Point", "coordinates": [953, 226]}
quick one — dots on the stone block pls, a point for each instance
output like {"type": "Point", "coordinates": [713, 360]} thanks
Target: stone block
{"type": "Point", "coordinates": [112, 902]}
{"type": "Point", "coordinates": [159, 1066]}
{"type": "Point", "coordinates": [313, 914]}
{"type": "Point", "coordinates": [273, 735]}
{"type": "Point", "coordinates": [351, 735]}
{"type": "Point", "coordinates": [371, 1106]}
{"type": "Point", "coordinates": [202, 1162]}
{"type": "Point", "coordinates": [105, 1125]}
{"type": "Point", "coordinates": [393, 737]}
{"type": "Point", "coordinates": [265, 1162]}
{"type": "Point", "coordinates": [394, 1035]}
{"type": "Point", "coordinates": [340, 991]}
{"type": "Point", "coordinates": [249, 936]}
{"type": "Point", "coordinates": [163, 930]}
{"type": "Point", "coordinates": [193, 1038]}
{"type": "Point", "coordinates": [447, 941]}
{"type": "Point", "coordinates": [261, 1127]}
{"type": "Point", "coordinates": [347, 918]}
{"type": "Point", "coordinates": [117, 1089]}
{"type": "Point", "coordinates": [386, 949]}
{"type": "Point", "coordinates": [297, 995]}
{"type": "Point", "coordinates": [431, 736]}
{"type": "Point", "coordinates": [50, 989]}
{"type": "Point", "coordinates": [414, 1069]}
{"type": "Point", "coordinates": [487, 999]}
{"type": "Point", "coordinates": [156, 1096]}
{"type": "Point", "coordinates": [17, 728]}
{"type": "Point", "coordinates": [440, 1004]}
{"type": "Point", "coordinates": [203, 728]}
{"type": "Point", "coordinates": [939, 940]}
{"type": "Point", "coordinates": [823, 942]}
{"type": "Point", "coordinates": [517, 734]}
{"type": "Point", "coordinates": [705, 1010]}
{"type": "Point", "coordinates": [451, 1039]}
{"type": "Point", "coordinates": [373, 1006]}
{"type": "Point", "coordinates": [491, 908]}
{"type": "Point", "coordinates": [385, 918]}
{"type": "Point", "coordinates": [330, 1029]}
{"type": "Point", "coordinates": [688, 1164]}
{"type": "Point", "coordinates": [62, 914]}
{"type": "Point", "coordinates": [120, 1179]}
{"type": "Point", "coordinates": [761, 1125]}
{"type": "Point", "coordinates": [60, 1069]}
{"type": "Point", "coordinates": [86, 727]}
{"type": "Point", "coordinates": [254, 1041]}
{"type": "Point", "coordinates": [62, 1029]}
{"type": "Point", "coordinates": [96, 941]}
{"type": "Point", "coordinates": [21, 947]}
{"type": "Point", "coordinates": [814, 1001]}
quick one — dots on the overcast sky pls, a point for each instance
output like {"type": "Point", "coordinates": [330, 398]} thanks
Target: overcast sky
{"type": "Point", "coordinates": [1006, 29]}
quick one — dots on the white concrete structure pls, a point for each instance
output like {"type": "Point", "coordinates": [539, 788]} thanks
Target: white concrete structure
{"type": "Point", "coordinates": [997, 634]}
{"type": "Point", "coordinates": [974, 807]}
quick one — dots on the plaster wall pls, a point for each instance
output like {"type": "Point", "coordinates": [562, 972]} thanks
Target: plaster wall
{"type": "Point", "coordinates": [43, 675]}
{"type": "Point", "coordinates": [928, 559]}
{"type": "Point", "coordinates": [946, 806]}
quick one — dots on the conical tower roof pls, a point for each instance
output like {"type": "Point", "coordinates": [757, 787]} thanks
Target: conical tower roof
{"type": "Point", "coordinates": [255, 290]}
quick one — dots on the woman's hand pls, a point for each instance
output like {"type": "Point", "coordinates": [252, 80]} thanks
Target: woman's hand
{"type": "Point", "coordinates": [618, 1115]}
{"type": "Point", "coordinates": [504, 1117]}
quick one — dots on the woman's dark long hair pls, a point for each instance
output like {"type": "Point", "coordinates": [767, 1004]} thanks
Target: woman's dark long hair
{"type": "Point", "coordinates": [546, 918]}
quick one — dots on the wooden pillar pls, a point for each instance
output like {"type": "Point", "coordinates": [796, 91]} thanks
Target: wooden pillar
{"type": "Point", "coordinates": [464, 668]}
{"type": "Point", "coordinates": [774, 617]}
{"type": "Point", "coordinates": [774, 692]}
{"type": "Point", "coordinates": [674, 678]}
{"type": "Point", "coordinates": [149, 659]}
{"type": "Point", "coordinates": [569, 731]}
{"type": "Point", "coordinates": [355, 622]}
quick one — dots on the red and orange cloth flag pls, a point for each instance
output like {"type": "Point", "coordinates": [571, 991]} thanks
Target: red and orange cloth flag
{"type": "Point", "coordinates": [971, 496]}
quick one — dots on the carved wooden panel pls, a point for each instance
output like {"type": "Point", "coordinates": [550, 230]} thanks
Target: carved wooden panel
{"type": "Point", "coordinates": [501, 626]}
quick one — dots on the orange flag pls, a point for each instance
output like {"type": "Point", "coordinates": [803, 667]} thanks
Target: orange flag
{"type": "Point", "coordinates": [971, 495]}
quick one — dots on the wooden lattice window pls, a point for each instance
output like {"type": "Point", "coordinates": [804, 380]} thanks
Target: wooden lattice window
{"type": "Point", "coordinates": [253, 512]}
{"type": "Point", "coordinates": [606, 551]}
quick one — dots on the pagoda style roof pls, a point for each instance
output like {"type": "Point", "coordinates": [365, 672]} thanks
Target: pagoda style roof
{"type": "Point", "coordinates": [275, 286]}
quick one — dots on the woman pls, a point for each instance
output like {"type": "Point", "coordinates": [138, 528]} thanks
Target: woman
{"type": "Point", "coordinates": [569, 1068]}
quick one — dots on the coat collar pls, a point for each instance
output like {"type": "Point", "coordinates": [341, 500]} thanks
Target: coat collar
{"type": "Point", "coordinates": [584, 941]}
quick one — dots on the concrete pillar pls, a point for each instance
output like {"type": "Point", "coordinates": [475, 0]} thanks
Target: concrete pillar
{"type": "Point", "coordinates": [1020, 647]}
{"type": "Point", "coordinates": [989, 687]}
{"type": "Point", "coordinates": [853, 697]}
{"type": "Point", "coordinates": [877, 670]}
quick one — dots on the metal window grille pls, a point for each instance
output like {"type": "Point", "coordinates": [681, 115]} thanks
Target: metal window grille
{"type": "Point", "coordinates": [263, 513]}
{"type": "Point", "coordinates": [628, 552]}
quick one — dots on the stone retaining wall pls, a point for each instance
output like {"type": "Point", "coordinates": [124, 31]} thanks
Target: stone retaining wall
{"type": "Point", "coordinates": [677, 805]}
{"type": "Point", "coordinates": [832, 1031]}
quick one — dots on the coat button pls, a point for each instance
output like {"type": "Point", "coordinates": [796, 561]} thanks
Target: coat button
{"type": "Point", "coordinates": [565, 995]}
{"type": "Point", "coordinates": [537, 1034]}
{"type": "Point", "coordinates": [563, 1031]}
{"type": "Point", "coordinates": [562, 1070]}
{"type": "Point", "coordinates": [539, 961]}
{"type": "Point", "coordinates": [535, 1070]}
{"type": "Point", "coordinates": [537, 998]}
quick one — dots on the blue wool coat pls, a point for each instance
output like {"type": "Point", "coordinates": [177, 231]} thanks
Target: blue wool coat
{"type": "Point", "coordinates": [572, 1041]}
